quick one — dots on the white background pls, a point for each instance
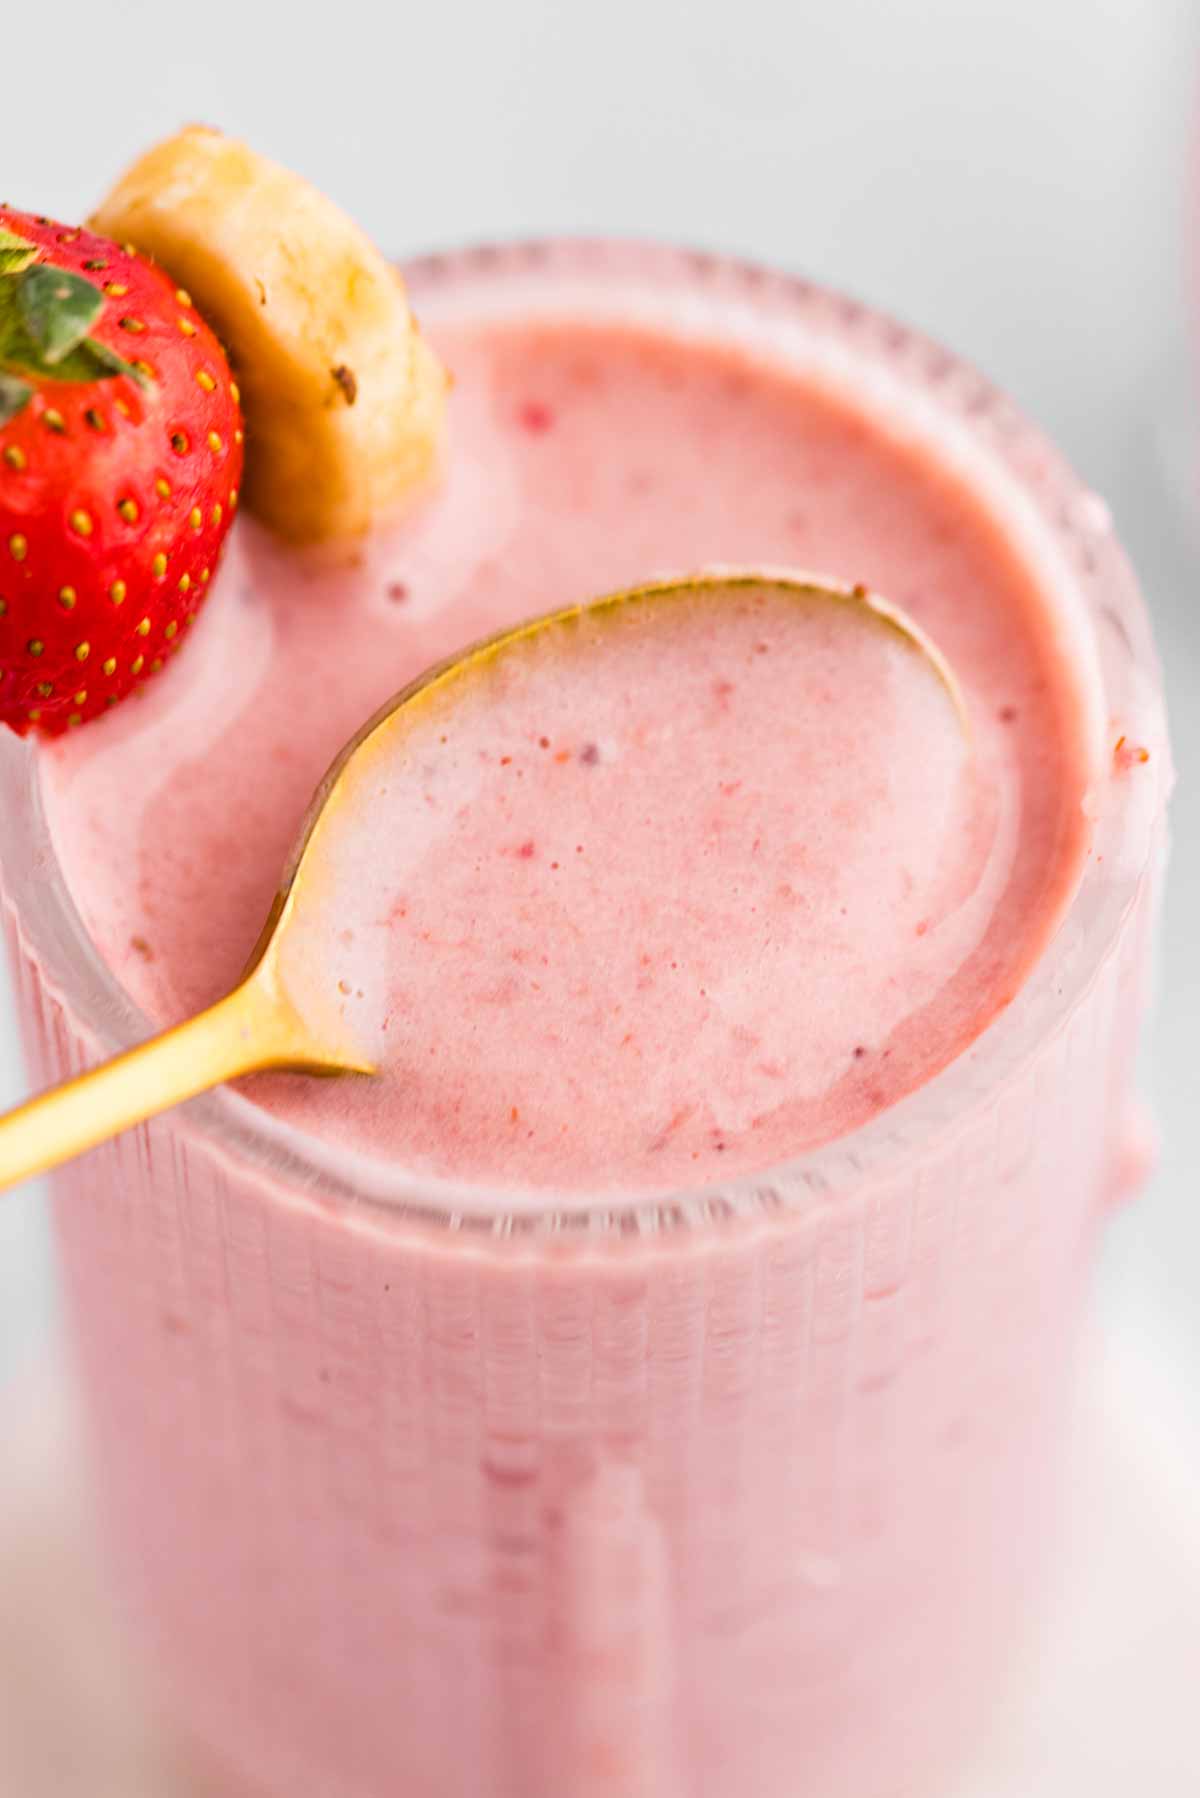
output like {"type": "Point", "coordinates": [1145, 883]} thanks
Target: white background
{"type": "Point", "coordinates": [1014, 177]}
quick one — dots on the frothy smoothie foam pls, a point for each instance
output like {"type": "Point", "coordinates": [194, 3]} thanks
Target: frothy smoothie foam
{"type": "Point", "coordinates": [667, 911]}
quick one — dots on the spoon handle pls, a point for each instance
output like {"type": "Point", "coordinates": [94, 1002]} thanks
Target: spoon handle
{"type": "Point", "coordinates": [248, 1030]}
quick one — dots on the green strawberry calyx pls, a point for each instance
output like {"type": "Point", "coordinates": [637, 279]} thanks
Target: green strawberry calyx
{"type": "Point", "coordinates": [46, 317]}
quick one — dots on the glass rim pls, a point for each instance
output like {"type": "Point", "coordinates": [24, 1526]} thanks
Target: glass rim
{"type": "Point", "coordinates": [880, 362]}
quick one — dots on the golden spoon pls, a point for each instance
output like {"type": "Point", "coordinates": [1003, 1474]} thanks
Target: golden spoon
{"type": "Point", "coordinates": [264, 1023]}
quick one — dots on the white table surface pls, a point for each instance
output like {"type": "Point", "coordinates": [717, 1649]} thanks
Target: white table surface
{"type": "Point", "coordinates": [1013, 175]}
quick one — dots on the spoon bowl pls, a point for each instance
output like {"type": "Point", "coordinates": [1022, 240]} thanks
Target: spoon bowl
{"type": "Point", "coordinates": [276, 1019]}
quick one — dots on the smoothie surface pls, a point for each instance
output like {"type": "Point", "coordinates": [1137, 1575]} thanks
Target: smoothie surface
{"type": "Point", "coordinates": [731, 894]}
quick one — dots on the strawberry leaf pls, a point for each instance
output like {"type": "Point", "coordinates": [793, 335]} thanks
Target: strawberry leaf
{"type": "Point", "coordinates": [88, 361]}
{"type": "Point", "coordinates": [104, 361]}
{"type": "Point", "coordinates": [58, 310]}
{"type": "Point", "coordinates": [16, 253]}
{"type": "Point", "coordinates": [14, 394]}
{"type": "Point", "coordinates": [44, 320]}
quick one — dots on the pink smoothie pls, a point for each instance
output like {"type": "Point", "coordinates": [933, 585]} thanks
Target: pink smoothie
{"type": "Point", "coordinates": [423, 1473]}
{"type": "Point", "coordinates": [677, 912]}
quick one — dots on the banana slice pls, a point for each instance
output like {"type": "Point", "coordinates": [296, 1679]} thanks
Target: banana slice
{"type": "Point", "coordinates": [344, 400]}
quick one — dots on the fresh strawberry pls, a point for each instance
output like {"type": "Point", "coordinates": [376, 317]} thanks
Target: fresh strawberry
{"type": "Point", "coordinates": [120, 464]}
